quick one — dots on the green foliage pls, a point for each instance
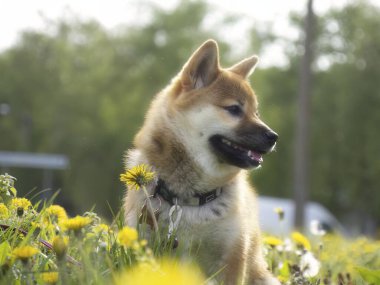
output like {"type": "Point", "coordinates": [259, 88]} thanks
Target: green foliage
{"type": "Point", "coordinates": [344, 119]}
{"type": "Point", "coordinates": [345, 100]}
{"type": "Point", "coordinates": [7, 189]}
{"type": "Point", "coordinates": [370, 276]}
{"type": "Point", "coordinates": [82, 90]}
{"type": "Point", "coordinates": [47, 247]}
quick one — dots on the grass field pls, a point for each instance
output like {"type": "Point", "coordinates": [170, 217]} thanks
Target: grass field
{"type": "Point", "coordinates": [40, 244]}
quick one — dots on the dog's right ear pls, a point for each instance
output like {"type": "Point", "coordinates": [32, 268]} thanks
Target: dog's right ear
{"type": "Point", "coordinates": [202, 68]}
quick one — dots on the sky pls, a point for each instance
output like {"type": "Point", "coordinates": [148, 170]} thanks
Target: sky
{"type": "Point", "coordinates": [18, 15]}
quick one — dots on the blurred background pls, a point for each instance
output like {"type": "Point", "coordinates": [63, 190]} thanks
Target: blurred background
{"type": "Point", "coordinates": [76, 78]}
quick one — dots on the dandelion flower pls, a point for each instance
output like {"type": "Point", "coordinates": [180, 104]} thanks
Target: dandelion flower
{"type": "Point", "coordinates": [301, 240]}
{"type": "Point", "coordinates": [167, 272]}
{"type": "Point", "coordinates": [143, 243]}
{"type": "Point", "coordinates": [4, 213]}
{"type": "Point", "coordinates": [57, 213]}
{"type": "Point", "coordinates": [49, 277]}
{"type": "Point", "coordinates": [59, 244]}
{"type": "Point", "coordinates": [24, 252]}
{"type": "Point", "coordinates": [272, 241]}
{"type": "Point", "coordinates": [137, 177]}
{"type": "Point", "coordinates": [76, 223]}
{"type": "Point", "coordinates": [20, 203]}
{"type": "Point", "coordinates": [101, 228]}
{"type": "Point", "coordinates": [309, 265]}
{"type": "Point", "coordinates": [127, 236]}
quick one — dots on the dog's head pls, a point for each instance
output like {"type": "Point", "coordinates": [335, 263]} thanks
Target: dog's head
{"type": "Point", "coordinates": [216, 111]}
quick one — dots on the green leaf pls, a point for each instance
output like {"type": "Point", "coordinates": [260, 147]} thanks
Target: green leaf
{"type": "Point", "coordinates": [13, 191]}
{"type": "Point", "coordinates": [5, 249]}
{"type": "Point", "coordinates": [370, 276]}
{"type": "Point", "coordinates": [284, 270]}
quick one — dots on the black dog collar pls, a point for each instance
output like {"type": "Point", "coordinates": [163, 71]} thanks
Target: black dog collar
{"type": "Point", "coordinates": [196, 200]}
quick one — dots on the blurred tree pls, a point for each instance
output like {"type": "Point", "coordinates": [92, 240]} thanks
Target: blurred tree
{"type": "Point", "coordinates": [83, 91]}
{"type": "Point", "coordinates": [344, 173]}
{"type": "Point", "coordinates": [346, 103]}
{"type": "Point", "coordinates": [302, 153]}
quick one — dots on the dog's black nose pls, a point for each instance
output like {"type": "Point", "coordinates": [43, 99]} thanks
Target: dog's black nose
{"type": "Point", "coordinates": [271, 136]}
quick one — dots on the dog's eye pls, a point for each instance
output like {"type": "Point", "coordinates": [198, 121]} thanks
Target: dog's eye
{"type": "Point", "coordinates": [234, 110]}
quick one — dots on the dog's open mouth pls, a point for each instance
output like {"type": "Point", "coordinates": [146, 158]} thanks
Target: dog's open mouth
{"type": "Point", "coordinates": [236, 154]}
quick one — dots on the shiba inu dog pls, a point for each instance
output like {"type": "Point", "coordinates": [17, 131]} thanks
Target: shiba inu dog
{"type": "Point", "coordinates": [201, 134]}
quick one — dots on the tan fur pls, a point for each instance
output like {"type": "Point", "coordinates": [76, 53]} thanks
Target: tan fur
{"type": "Point", "coordinates": [174, 141]}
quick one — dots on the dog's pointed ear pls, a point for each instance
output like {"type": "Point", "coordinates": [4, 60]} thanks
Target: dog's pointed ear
{"type": "Point", "coordinates": [202, 68]}
{"type": "Point", "coordinates": [245, 67]}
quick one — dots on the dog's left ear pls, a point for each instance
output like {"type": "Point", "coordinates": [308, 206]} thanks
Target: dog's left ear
{"type": "Point", "coordinates": [202, 68]}
{"type": "Point", "coordinates": [245, 67]}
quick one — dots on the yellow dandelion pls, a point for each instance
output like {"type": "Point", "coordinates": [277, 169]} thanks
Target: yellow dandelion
{"type": "Point", "coordinates": [127, 236]}
{"type": "Point", "coordinates": [101, 228]}
{"type": "Point", "coordinates": [24, 252]}
{"type": "Point", "coordinates": [49, 277]}
{"type": "Point", "coordinates": [57, 213]}
{"type": "Point", "coordinates": [36, 225]}
{"type": "Point", "coordinates": [167, 272]}
{"type": "Point", "coordinates": [136, 246]}
{"type": "Point", "coordinates": [272, 241]}
{"type": "Point", "coordinates": [4, 213]}
{"type": "Point", "coordinates": [143, 243]}
{"type": "Point", "coordinates": [76, 223]}
{"type": "Point", "coordinates": [137, 177]}
{"type": "Point", "coordinates": [301, 240]}
{"type": "Point", "coordinates": [23, 203]}
{"type": "Point", "coordinates": [59, 244]}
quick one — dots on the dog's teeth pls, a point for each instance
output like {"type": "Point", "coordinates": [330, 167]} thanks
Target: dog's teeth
{"type": "Point", "coordinates": [249, 153]}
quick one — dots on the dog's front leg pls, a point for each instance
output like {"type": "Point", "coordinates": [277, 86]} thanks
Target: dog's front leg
{"type": "Point", "coordinates": [233, 273]}
{"type": "Point", "coordinates": [257, 267]}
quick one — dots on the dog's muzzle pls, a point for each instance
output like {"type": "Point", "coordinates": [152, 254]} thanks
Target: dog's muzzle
{"type": "Point", "coordinates": [246, 150]}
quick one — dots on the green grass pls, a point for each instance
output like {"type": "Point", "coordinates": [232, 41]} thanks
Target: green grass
{"type": "Point", "coordinates": [87, 251]}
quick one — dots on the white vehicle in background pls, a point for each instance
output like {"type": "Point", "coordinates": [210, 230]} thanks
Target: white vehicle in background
{"type": "Point", "coordinates": [270, 222]}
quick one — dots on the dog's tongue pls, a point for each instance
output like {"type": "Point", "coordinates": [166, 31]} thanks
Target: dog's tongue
{"type": "Point", "coordinates": [255, 156]}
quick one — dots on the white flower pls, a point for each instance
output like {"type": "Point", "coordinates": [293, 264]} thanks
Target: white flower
{"type": "Point", "coordinates": [316, 228]}
{"type": "Point", "coordinates": [309, 264]}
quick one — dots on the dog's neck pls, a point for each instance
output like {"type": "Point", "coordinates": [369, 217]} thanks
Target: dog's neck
{"type": "Point", "coordinates": [181, 173]}
{"type": "Point", "coordinates": [177, 168]}
{"type": "Point", "coordinates": [199, 199]}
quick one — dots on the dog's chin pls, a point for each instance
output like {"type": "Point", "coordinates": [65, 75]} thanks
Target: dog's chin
{"type": "Point", "coordinates": [236, 154]}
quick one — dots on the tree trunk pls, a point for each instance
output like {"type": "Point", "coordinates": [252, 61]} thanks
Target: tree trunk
{"type": "Point", "coordinates": [301, 181]}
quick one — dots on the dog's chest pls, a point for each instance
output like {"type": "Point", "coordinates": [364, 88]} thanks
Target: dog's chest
{"type": "Point", "coordinates": [207, 232]}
